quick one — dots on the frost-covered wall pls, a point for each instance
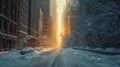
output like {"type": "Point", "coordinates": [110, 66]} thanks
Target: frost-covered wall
{"type": "Point", "coordinates": [96, 23]}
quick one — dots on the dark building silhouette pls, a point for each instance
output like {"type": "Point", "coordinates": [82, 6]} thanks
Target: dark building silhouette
{"type": "Point", "coordinates": [29, 20]}
{"type": "Point", "coordinates": [33, 25]}
{"type": "Point", "coordinates": [16, 16]}
{"type": "Point", "coordinates": [97, 22]}
{"type": "Point", "coordinates": [22, 21]}
{"type": "Point", "coordinates": [8, 23]}
{"type": "Point", "coordinates": [105, 25]}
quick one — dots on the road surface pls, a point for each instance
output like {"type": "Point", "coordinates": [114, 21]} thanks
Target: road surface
{"type": "Point", "coordinates": [74, 58]}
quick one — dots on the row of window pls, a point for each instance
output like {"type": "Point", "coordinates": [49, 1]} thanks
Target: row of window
{"type": "Point", "coordinates": [8, 8]}
{"type": "Point", "coordinates": [7, 26]}
{"type": "Point", "coordinates": [6, 44]}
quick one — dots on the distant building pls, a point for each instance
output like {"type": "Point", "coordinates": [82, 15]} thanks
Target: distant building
{"type": "Point", "coordinates": [68, 17]}
{"type": "Point", "coordinates": [46, 24]}
{"type": "Point", "coordinates": [40, 27]}
{"type": "Point", "coordinates": [53, 20]}
{"type": "Point", "coordinates": [45, 7]}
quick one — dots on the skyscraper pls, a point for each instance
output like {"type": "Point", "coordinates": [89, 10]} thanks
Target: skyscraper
{"type": "Point", "coordinates": [8, 24]}
{"type": "Point", "coordinates": [22, 21]}
{"type": "Point", "coordinates": [46, 24]}
{"type": "Point", "coordinates": [15, 18]}
{"type": "Point", "coordinates": [33, 24]}
{"type": "Point", "coordinates": [45, 7]}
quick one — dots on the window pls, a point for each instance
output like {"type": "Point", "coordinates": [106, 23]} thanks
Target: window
{"type": "Point", "coordinates": [15, 30]}
{"type": "Point", "coordinates": [0, 43]}
{"type": "Point", "coordinates": [5, 46]}
{"type": "Point", "coordinates": [1, 4]}
{"type": "Point", "coordinates": [0, 23]}
{"type": "Point", "coordinates": [5, 26]}
{"type": "Point", "coordinates": [11, 29]}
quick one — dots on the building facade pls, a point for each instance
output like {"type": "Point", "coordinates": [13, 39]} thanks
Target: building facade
{"type": "Point", "coordinates": [23, 18]}
{"type": "Point", "coordinates": [96, 23]}
{"type": "Point", "coordinates": [46, 24]}
{"type": "Point", "coordinates": [45, 7]}
{"type": "Point", "coordinates": [29, 22]}
{"type": "Point", "coordinates": [8, 24]}
{"type": "Point", "coordinates": [15, 18]}
{"type": "Point", "coordinates": [104, 25]}
{"type": "Point", "coordinates": [34, 24]}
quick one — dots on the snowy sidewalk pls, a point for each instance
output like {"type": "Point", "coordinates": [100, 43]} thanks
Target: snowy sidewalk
{"type": "Point", "coordinates": [3, 52]}
{"type": "Point", "coordinates": [109, 51]}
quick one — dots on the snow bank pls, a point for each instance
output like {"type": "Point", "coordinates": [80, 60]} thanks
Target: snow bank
{"type": "Point", "coordinates": [3, 52]}
{"type": "Point", "coordinates": [95, 59]}
{"type": "Point", "coordinates": [99, 59]}
{"type": "Point", "coordinates": [82, 47]}
{"type": "Point", "coordinates": [27, 53]}
{"type": "Point", "coordinates": [109, 50]}
{"type": "Point", "coordinates": [113, 50]}
{"type": "Point", "coordinates": [87, 48]}
{"type": "Point", "coordinates": [118, 61]}
{"type": "Point", "coordinates": [30, 53]}
{"type": "Point", "coordinates": [14, 51]}
{"type": "Point", "coordinates": [29, 56]}
{"type": "Point", "coordinates": [38, 48]}
{"type": "Point", "coordinates": [26, 50]}
{"type": "Point", "coordinates": [99, 49]}
{"type": "Point", "coordinates": [13, 58]}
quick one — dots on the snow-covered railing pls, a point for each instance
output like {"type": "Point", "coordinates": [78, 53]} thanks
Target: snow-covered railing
{"type": "Point", "coordinates": [1, 15]}
{"type": "Point", "coordinates": [20, 31]}
{"type": "Point", "coordinates": [4, 34]}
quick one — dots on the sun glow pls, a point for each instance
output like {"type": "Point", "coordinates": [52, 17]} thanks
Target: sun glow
{"type": "Point", "coordinates": [60, 13]}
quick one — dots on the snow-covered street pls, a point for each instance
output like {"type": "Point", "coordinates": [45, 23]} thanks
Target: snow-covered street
{"type": "Point", "coordinates": [59, 33]}
{"type": "Point", "coordinates": [63, 58]}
